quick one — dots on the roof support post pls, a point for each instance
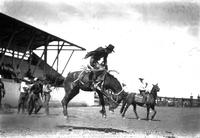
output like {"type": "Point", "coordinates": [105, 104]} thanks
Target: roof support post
{"type": "Point", "coordinates": [13, 53]}
{"type": "Point", "coordinates": [58, 56]}
{"type": "Point", "coordinates": [28, 47]}
{"type": "Point", "coordinates": [59, 50]}
{"type": "Point", "coordinates": [9, 44]}
{"type": "Point", "coordinates": [45, 52]}
{"type": "Point", "coordinates": [30, 58]}
{"type": "Point", "coordinates": [38, 63]}
{"type": "Point", "coordinates": [67, 62]}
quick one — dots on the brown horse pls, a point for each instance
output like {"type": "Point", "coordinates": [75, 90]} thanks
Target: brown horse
{"type": "Point", "coordinates": [109, 83]}
{"type": "Point", "coordinates": [150, 102]}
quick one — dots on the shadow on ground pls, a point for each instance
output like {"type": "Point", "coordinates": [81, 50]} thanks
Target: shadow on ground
{"type": "Point", "coordinates": [106, 130]}
{"type": "Point", "coordinates": [144, 119]}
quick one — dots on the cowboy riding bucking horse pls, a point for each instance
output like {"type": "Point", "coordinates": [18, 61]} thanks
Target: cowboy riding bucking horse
{"type": "Point", "coordinates": [97, 69]}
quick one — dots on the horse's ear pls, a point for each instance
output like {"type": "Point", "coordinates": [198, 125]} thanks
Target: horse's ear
{"type": "Point", "coordinates": [156, 84]}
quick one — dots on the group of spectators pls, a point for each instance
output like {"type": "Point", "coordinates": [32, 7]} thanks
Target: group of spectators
{"type": "Point", "coordinates": [34, 93]}
{"type": "Point", "coordinates": [7, 71]}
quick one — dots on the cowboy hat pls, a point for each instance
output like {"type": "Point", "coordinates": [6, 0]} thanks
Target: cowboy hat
{"type": "Point", "coordinates": [141, 78]}
{"type": "Point", "coordinates": [26, 79]}
{"type": "Point", "coordinates": [35, 79]}
{"type": "Point", "coordinates": [110, 47]}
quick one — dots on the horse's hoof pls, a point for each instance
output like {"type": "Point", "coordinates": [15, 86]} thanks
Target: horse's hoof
{"type": "Point", "coordinates": [112, 111]}
{"type": "Point", "coordinates": [138, 119]}
{"type": "Point", "coordinates": [101, 111]}
{"type": "Point", "coordinates": [123, 117]}
{"type": "Point", "coordinates": [66, 117]}
{"type": "Point", "coordinates": [104, 116]}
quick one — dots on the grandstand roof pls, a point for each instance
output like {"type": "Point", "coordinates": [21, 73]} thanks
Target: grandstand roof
{"type": "Point", "coordinates": [20, 34]}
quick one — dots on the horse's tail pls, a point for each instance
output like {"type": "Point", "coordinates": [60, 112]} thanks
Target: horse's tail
{"type": "Point", "coordinates": [71, 77]}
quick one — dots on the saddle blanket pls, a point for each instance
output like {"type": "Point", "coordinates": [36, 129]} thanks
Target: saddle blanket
{"type": "Point", "coordinates": [139, 98]}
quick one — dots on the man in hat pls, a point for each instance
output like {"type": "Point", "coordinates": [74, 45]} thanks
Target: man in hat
{"type": "Point", "coordinates": [47, 89]}
{"type": "Point", "coordinates": [142, 88]}
{"type": "Point", "coordinates": [35, 96]}
{"type": "Point", "coordinates": [95, 57]}
{"type": "Point", "coordinates": [2, 91]}
{"type": "Point", "coordinates": [98, 54]}
{"type": "Point", "coordinates": [24, 89]}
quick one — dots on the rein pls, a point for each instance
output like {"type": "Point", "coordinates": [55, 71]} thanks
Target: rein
{"type": "Point", "coordinates": [116, 94]}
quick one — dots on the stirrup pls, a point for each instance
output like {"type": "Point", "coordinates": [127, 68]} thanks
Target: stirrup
{"type": "Point", "coordinates": [96, 86]}
{"type": "Point", "coordinates": [73, 84]}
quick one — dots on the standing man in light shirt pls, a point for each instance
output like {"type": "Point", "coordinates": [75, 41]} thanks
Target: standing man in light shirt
{"type": "Point", "coordinates": [2, 91]}
{"type": "Point", "coordinates": [24, 88]}
{"type": "Point", "coordinates": [47, 90]}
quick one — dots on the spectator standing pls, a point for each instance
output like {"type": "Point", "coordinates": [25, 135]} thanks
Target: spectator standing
{"type": "Point", "coordinates": [47, 90]}
{"type": "Point", "coordinates": [2, 91]}
{"type": "Point", "coordinates": [24, 88]}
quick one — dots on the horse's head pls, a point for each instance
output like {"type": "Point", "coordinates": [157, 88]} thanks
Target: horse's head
{"type": "Point", "coordinates": [112, 83]}
{"type": "Point", "coordinates": [155, 89]}
{"type": "Point", "coordinates": [118, 98]}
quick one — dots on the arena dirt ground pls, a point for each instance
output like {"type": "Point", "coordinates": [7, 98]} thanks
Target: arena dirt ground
{"type": "Point", "coordinates": [87, 122]}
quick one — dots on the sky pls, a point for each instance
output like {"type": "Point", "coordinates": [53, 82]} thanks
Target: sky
{"type": "Point", "coordinates": [156, 40]}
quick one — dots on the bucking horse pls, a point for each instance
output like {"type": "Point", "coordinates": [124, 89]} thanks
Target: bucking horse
{"type": "Point", "coordinates": [110, 83]}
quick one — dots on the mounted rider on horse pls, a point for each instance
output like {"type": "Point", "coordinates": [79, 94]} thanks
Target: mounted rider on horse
{"type": "Point", "coordinates": [97, 70]}
{"type": "Point", "coordinates": [97, 78]}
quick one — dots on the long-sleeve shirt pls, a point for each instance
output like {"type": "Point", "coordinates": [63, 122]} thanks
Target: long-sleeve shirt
{"type": "Point", "coordinates": [24, 87]}
{"type": "Point", "coordinates": [142, 86]}
{"type": "Point", "coordinates": [47, 88]}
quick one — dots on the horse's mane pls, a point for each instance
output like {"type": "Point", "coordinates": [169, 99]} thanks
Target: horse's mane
{"type": "Point", "coordinates": [114, 78]}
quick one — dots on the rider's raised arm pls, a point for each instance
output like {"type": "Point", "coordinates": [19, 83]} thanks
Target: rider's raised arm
{"type": "Point", "coordinates": [105, 60]}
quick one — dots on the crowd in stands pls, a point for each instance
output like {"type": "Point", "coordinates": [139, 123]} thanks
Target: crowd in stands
{"type": "Point", "coordinates": [7, 71]}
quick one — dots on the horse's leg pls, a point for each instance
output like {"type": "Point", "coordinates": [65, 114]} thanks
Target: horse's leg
{"type": "Point", "coordinates": [103, 110]}
{"type": "Point", "coordinates": [153, 108]}
{"type": "Point", "coordinates": [123, 105]}
{"type": "Point", "coordinates": [63, 102]}
{"type": "Point", "coordinates": [68, 96]}
{"type": "Point", "coordinates": [126, 107]}
{"type": "Point", "coordinates": [148, 109]}
{"type": "Point", "coordinates": [134, 109]}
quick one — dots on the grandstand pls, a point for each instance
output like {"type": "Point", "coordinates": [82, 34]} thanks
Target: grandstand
{"type": "Point", "coordinates": [19, 40]}
{"type": "Point", "coordinates": [18, 43]}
